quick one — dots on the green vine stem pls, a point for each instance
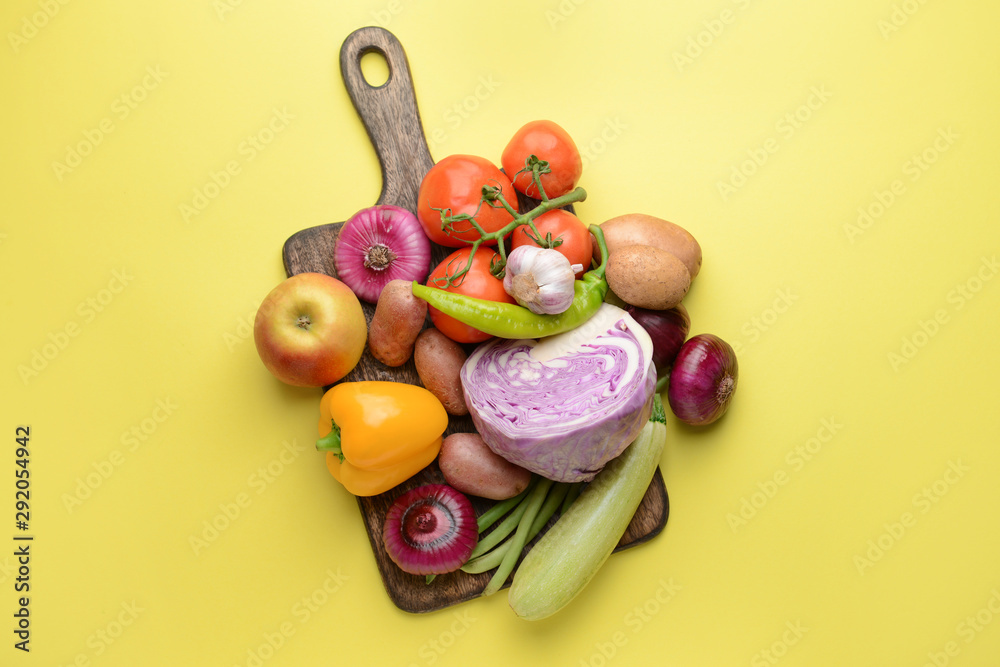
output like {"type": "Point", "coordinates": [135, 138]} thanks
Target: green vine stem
{"type": "Point", "coordinates": [492, 196]}
{"type": "Point", "coordinates": [536, 167]}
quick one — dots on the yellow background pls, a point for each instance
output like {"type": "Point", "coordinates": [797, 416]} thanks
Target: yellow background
{"type": "Point", "coordinates": [816, 304]}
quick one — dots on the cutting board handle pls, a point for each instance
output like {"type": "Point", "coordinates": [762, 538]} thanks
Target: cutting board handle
{"type": "Point", "coordinates": [389, 113]}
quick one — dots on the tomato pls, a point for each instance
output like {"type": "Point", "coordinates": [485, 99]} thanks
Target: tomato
{"type": "Point", "coordinates": [576, 244]}
{"type": "Point", "coordinates": [478, 282]}
{"type": "Point", "coordinates": [548, 142]}
{"type": "Point", "coordinates": [456, 183]}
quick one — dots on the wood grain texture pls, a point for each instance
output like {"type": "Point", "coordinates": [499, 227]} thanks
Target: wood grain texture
{"type": "Point", "coordinates": [390, 116]}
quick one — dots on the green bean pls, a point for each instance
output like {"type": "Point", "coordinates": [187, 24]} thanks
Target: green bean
{"type": "Point", "coordinates": [552, 501]}
{"type": "Point", "coordinates": [571, 496]}
{"type": "Point", "coordinates": [493, 514]}
{"type": "Point", "coordinates": [505, 528]}
{"type": "Point", "coordinates": [486, 561]}
{"type": "Point", "coordinates": [495, 557]}
{"type": "Point", "coordinates": [533, 505]}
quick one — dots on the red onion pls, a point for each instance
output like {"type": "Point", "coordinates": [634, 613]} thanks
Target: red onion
{"type": "Point", "coordinates": [667, 328]}
{"type": "Point", "coordinates": [430, 530]}
{"type": "Point", "coordinates": [703, 380]}
{"type": "Point", "coordinates": [379, 244]}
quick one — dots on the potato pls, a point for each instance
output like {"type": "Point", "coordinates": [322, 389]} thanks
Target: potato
{"type": "Point", "coordinates": [469, 465]}
{"type": "Point", "coordinates": [438, 360]}
{"type": "Point", "coordinates": [399, 317]}
{"type": "Point", "coordinates": [641, 229]}
{"type": "Point", "coordinates": [647, 277]}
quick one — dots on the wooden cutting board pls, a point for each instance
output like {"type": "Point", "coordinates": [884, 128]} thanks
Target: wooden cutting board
{"type": "Point", "coordinates": [389, 113]}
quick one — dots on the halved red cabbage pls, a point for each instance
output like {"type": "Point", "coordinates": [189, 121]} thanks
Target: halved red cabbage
{"type": "Point", "coordinates": [565, 405]}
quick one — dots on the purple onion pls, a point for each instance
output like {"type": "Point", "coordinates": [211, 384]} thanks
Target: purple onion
{"type": "Point", "coordinates": [667, 328]}
{"type": "Point", "coordinates": [703, 380]}
{"type": "Point", "coordinates": [379, 244]}
{"type": "Point", "coordinates": [430, 530]}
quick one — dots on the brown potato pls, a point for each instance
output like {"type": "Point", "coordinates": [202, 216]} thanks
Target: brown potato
{"type": "Point", "coordinates": [641, 229]}
{"type": "Point", "coordinates": [469, 465]}
{"type": "Point", "coordinates": [439, 360]}
{"type": "Point", "coordinates": [647, 277]}
{"type": "Point", "coordinates": [399, 317]}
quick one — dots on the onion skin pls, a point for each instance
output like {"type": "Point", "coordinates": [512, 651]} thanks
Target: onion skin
{"type": "Point", "coordinates": [379, 244]}
{"type": "Point", "coordinates": [667, 328]}
{"type": "Point", "coordinates": [703, 380]}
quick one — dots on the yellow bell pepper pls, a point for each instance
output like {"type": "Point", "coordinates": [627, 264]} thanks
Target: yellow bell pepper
{"type": "Point", "coordinates": [379, 434]}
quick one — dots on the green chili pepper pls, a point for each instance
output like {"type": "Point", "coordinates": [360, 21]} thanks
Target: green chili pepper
{"type": "Point", "coordinates": [508, 320]}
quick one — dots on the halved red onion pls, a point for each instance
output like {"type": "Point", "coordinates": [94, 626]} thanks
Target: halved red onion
{"type": "Point", "coordinates": [703, 380]}
{"type": "Point", "coordinates": [430, 530]}
{"type": "Point", "coordinates": [379, 244]}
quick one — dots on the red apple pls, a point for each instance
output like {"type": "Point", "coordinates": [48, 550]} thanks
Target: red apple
{"type": "Point", "coordinates": [310, 330]}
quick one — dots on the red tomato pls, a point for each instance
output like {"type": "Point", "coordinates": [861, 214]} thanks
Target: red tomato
{"type": "Point", "coordinates": [548, 142]}
{"type": "Point", "coordinates": [478, 282]}
{"type": "Point", "coordinates": [576, 244]}
{"type": "Point", "coordinates": [456, 183]}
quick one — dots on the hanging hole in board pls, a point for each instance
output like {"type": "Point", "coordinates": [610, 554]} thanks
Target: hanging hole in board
{"type": "Point", "coordinates": [374, 69]}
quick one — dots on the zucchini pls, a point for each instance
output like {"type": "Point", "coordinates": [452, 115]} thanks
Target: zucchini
{"type": "Point", "coordinates": [568, 556]}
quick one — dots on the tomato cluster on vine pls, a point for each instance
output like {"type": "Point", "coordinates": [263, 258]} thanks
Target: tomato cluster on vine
{"type": "Point", "coordinates": [467, 202]}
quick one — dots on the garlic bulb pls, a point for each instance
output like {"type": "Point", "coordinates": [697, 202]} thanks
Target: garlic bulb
{"type": "Point", "coordinates": [540, 279]}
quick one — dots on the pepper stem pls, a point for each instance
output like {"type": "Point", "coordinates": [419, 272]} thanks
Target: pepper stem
{"type": "Point", "coordinates": [331, 442]}
{"type": "Point", "coordinates": [658, 414]}
{"type": "Point", "coordinates": [602, 244]}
